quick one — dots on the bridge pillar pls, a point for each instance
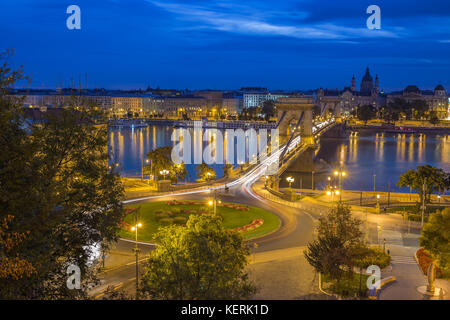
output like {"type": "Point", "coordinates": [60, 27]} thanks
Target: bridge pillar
{"type": "Point", "coordinates": [294, 107]}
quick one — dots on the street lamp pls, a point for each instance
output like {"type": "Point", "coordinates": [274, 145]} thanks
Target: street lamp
{"type": "Point", "coordinates": [214, 202]}
{"type": "Point", "coordinates": [378, 202]}
{"type": "Point", "coordinates": [290, 180]}
{"type": "Point", "coordinates": [142, 167]}
{"type": "Point", "coordinates": [164, 173]}
{"type": "Point", "coordinates": [340, 173]}
{"type": "Point", "coordinates": [136, 252]}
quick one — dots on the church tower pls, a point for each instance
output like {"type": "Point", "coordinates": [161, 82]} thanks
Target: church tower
{"type": "Point", "coordinates": [377, 84]}
{"type": "Point", "coordinates": [353, 87]}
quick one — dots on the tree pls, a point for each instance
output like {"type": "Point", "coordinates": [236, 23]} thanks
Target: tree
{"type": "Point", "coordinates": [12, 267]}
{"type": "Point", "coordinates": [205, 172]}
{"type": "Point", "coordinates": [366, 112]}
{"type": "Point", "coordinates": [341, 224]}
{"type": "Point", "coordinates": [160, 159]}
{"type": "Point", "coordinates": [338, 235]}
{"type": "Point", "coordinates": [420, 108]}
{"type": "Point", "coordinates": [199, 261]}
{"type": "Point", "coordinates": [433, 117]}
{"type": "Point", "coordinates": [329, 255]}
{"type": "Point", "coordinates": [435, 238]}
{"type": "Point", "coordinates": [268, 109]}
{"type": "Point", "coordinates": [55, 182]}
{"type": "Point", "coordinates": [434, 180]}
{"type": "Point", "coordinates": [226, 169]}
{"type": "Point", "coordinates": [179, 171]}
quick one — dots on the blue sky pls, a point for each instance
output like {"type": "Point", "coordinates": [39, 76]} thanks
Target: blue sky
{"type": "Point", "coordinates": [282, 44]}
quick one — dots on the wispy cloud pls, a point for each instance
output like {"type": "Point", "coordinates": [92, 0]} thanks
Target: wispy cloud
{"type": "Point", "coordinates": [249, 21]}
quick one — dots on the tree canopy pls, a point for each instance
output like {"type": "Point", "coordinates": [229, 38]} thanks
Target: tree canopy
{"type": "Point", "coordinates": [434, 180]}
{"type": "Point", "coordinates": [435, 238]}
{"type": "Point", "coordinates": [57, 194]}
{"type": "Point", "coordinates": [199, 261]}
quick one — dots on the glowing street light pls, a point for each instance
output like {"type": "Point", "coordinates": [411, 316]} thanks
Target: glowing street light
{"type": "Point", "coordinates": [136, 251]}
{"type": "Point", "coordinates": [340, 173]}
{"type": "Point", "coordinates": [164, 173]}
{"type": "Point", "coordinates": [290, 180]}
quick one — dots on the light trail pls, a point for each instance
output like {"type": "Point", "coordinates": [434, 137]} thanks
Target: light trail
{"type": "Point", "coordinates": [247, 179]}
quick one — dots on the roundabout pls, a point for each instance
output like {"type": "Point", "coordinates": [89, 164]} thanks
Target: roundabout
{"type": "Point", "coordinates": [250, 221]}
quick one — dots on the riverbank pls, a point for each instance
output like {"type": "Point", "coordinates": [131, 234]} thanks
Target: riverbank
{"type": "Point", "coordinates": [406, 126]}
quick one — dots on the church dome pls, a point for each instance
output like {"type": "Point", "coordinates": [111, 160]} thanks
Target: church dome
{"type": "Point", "coordinates": [367, 82]}
{"type": "Point", "coordinates": [439, 88]}
{"type": "Point", "coordinates": [412, 89]}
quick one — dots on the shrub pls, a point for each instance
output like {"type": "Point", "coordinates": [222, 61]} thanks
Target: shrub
{"type": "Point", "coordinates": [166, 220]}
{"type": "Point", "coordinates": [161, 215]}
{"type": "Point", "coordinates": [180, 220]}
{"type": "Point", "coordinates": [425, 260]}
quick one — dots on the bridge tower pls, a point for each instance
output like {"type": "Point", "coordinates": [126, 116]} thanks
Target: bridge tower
{"type": "Point", "coordinates": [290, 111]}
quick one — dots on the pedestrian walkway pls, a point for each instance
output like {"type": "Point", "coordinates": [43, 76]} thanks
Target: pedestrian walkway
{"type": "Point", "coordinates": [393, 237]}
{"type": "Point", "coordinates": [403, 260]}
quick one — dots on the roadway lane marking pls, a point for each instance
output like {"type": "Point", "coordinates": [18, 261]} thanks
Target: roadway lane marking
{"type": "Point", "coordinates": [143, 243]}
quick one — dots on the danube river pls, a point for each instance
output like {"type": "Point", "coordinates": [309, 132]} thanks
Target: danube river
{"type": "Point", "coordinates": [365, 156]}
{"type": "Point", "coordinates": [377, 157]}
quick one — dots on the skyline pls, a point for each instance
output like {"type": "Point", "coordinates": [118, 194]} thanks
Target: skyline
{"type": "Point", "coordinates": [227, 45]}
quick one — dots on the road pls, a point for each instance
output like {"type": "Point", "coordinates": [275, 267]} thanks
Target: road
{"type": "Point", "coordinates": [295, 231]}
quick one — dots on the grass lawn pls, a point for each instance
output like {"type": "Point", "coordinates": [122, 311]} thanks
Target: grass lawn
{"type": "Point", "coordinates": [232, 218]}
{"type": "Point", "coordinates": [347, 286]}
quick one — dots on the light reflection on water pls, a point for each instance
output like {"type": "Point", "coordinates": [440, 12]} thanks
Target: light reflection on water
{"type": "Point", "coordinates": [129, 146]}
{"type": "Point", "coordinates": [385, 155]}
{"type": "Point", "coordinates": [361, 154]}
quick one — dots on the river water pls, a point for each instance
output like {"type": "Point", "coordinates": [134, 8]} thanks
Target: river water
{"type": "Point", "coordinates": [361, 155]}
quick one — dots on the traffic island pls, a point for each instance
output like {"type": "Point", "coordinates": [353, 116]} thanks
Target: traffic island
{"type": "Point", "coordinates": [251, 222]}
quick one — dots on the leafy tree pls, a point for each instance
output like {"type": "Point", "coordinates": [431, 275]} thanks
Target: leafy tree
{"type": "Point", "coordinates": [199, 261]}
{"type": "Point", "coordinates": [435, 238]}
{"type": "Point", "coordinates": [434, 179]}
{"type": "Point", "coordinates": [179, 171]}
{"type": "Point", "coordinates": [433, 117]}
{"type": "Point", "coordinates": [329, 255]}
{"type": "Point", "coordinates": [420, 108]}
{"type": "Point", "coordinates": [226, 169]}
{"type": "Point", "coordinates": [366, 112]}
{"type": "Point", "coordinates": [55, 182]}
{"type": "Point", "coordinates": [160, 159]}
{"type": "Point", "coordinates": [205, 172]}
{"type": "Point", "coordinates": [12, 267]}
{"type": "Point", "coordinates": [334, 252]}
{"type": "Point", "coordinates": [340, 223]}
{"type": "Point", "coordinates": [268, 109]}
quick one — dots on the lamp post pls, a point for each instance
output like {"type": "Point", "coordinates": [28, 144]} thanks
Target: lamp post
{"type": "Point", "coordinates": [339, 173]}
{"type": "Point", "coordinates": [164, 173]}
{"type": "Point", "coordinates": [214, 202]}
{"type": "Point", "coordinates": [135, 228]}
{"type": "Point", "coordinates": [378, 203]}
{"type": "Point", "coordinates": [374, 177]}
{"type": "Point", "coordinates": [312, 180]}
{"type": "Point", "coordinates": [290, 180]}
{"type": "Point", "coordinates": [142, 168]}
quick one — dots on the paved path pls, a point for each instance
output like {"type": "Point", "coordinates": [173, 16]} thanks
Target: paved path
{"type": "Point", "coordinates": [402, 247]}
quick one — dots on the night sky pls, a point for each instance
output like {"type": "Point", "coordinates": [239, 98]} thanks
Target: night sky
{"type": "Point", "coordinates": [284, 44]}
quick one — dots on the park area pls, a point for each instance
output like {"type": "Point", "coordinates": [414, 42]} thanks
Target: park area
{"type": "Point", "coordinates": [252, 222]}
